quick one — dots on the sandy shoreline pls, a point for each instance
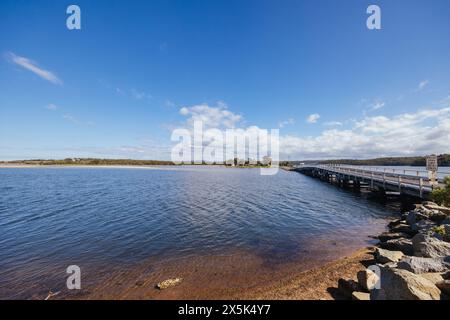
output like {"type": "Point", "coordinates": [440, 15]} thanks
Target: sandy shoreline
{"type": "Point", "coordinates": [317, 283]}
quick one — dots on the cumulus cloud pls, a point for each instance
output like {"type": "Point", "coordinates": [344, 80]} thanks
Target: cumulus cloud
{"type": "Point", "coordinates": [33, 67]}
{"type": "Point", "coordinates": [211, 116]}
{"type": "Point", "coordinates": [422, 132]}
{"type": "Point", "coordinates": [312, 118]}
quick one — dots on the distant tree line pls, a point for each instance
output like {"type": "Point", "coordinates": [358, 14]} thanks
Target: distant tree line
{"type": "Point", "coordinates": [443, 161]}
{"type": "Point", "coordinates": [92, 162]}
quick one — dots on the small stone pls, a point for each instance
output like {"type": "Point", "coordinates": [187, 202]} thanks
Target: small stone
{"type": "Point", "coordinates": [367, 279]}
{"type": "Point", "coordinates": [356, 295]}
{"type": "Point", "coordinates": [386, 256]}
{"type": "Point", "coordinates": [169, 283]}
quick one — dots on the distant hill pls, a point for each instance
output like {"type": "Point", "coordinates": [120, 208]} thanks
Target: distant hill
{"type": "Point", "coordinates": [443, 161]}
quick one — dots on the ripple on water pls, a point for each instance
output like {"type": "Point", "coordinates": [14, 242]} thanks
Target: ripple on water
{"type": "Point", "coordinates": [104, 219]}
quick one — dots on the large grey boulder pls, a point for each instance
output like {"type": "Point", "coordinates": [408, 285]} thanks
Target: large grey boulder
{"type": "Point", "coordinates": [430, 247]}
{"type": "Point", "coordinates": [422, 265]}
{"type": "Point", "coordinates": [367, 279]}
{"type": "Point", "coordinates": [402, 244]}
{"type": "Point", "coordinates": [386, 256]}
{"type": "Point", "coordinates": [399, 284]}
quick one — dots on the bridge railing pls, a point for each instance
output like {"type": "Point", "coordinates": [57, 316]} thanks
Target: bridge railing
{"type": "Point", "coordinates": [392, 171]}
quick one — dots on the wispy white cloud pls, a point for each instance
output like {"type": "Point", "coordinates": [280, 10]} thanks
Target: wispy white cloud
{"type": "Point", "coordinates": [284, 123]}
{"type": "Point", "coordinates": [52, 107]}
{"type": "Point", "coordinates": [312, 118]}
{"type": "Point", "coordinates": [422, 85]}
{"type": "Point", "coordinates": [74, 120]}
{"type": "Point", "coordinates": [139, 95]}
{"type": "Point", "coordinates": [33, 67]}
{"type": "Point", "coordinates": [377, 105]}
{"type": "Point", "coordinates": [333, 124]}
{"type": "Point", "coordinates": [169, 103]}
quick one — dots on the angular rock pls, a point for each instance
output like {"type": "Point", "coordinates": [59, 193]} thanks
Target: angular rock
{"type": "Point", "coordinates": [438, 208]}
{"type": "Point", "coordinates": [403, 245]}
{"type": "Point", "coordinates": [367, 279]}
{"type": "Point", "coordinates": [444, 286]}
{"type": "Point", "coordinates": [389, 265]}
{"type": "Point", "coordinates": [394, 223]}
{"type": "Point", "coordinates": [438, 216]}
{"type": "Point", "coordinates": [421, 265]}
{"type": "Point", "coordinates": [356, 295]}
{"type": "Point", "coordinates": [433, 277]}
{"type": "Point", "coordinates": [429, 247]}
{"type": "Point", "coordinates": [386, 256]}
{"type": "Point", "coordinates": [447, 229]}
{"type": "Point", "coordinates": [423, 226]}
{"type": "Point", "coordinates": [429, 203]}
{"type": "Point", "coordinates": [420, 208]}
{"type": "Point", "coordinates": [404, 228]}
{"type": "Point", "coordinates": [346, 287]}
{"type": "Point", "coordinates": [414, 216]}
{"type": "Point", "coordinates": [385, 236]}
{"type": "Point", "coordinates": [169, 283]}
{"type": "Point", "coordinates": [399, 284]}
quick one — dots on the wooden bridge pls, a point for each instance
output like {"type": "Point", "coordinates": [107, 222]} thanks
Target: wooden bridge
{"type": "Point", "coordinates": [395, 181]}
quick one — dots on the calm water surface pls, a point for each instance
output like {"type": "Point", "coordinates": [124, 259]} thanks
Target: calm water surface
{"type": "Point", "coordinates": [108, 218]}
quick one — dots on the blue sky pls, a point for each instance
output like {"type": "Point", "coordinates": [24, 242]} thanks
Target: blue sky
{"type": "Point", "coordinates": [137, 69]}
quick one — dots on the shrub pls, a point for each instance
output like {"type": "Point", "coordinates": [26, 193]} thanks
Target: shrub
{"type": "Point", "coordinates": [442, 195]}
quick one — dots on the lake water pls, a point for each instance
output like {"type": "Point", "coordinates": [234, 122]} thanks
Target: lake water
{"type": "Point", "coordinates": [108, 220]}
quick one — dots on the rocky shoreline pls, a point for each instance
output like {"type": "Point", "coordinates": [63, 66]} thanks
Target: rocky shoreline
{"type": "Point", "coordinates": [412, 259]}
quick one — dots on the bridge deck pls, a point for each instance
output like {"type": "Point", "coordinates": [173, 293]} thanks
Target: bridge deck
{"type": "Point", "coordinates": [410, 184]}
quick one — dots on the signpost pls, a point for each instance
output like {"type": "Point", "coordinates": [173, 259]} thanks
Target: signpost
{"type": "Point", "coordinates": [432, 167]}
